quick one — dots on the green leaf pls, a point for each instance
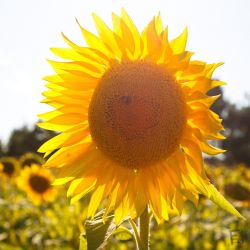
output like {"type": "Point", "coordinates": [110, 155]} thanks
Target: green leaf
{"type": "Point", "coordinates": [219, 199]}
{"type": "Point", "coordinates": [123, 234]}
{"type": "Point", "coordinates": [9, 247]}
{"type": "Point", "coordinates": [83, 243]}
{"type": "Point", "coordinates": [98, 232]}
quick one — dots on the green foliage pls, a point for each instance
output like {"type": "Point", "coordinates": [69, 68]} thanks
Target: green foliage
{"type": "Point", "coordinates": [25, 226]}
{"type": "Point", "coordinates": [25, 140]}
{"type": "Point", "coordinates": [1, 149]}
{"type": "Point", "coordinates": [57, 225]}
{"type": "Point", "coordinates": [236, 121]}
{"type": "Point", "coordinates": [206, 227]}
{"type": "Point", "coordinates": [98, 230]}
{"type": "Point", "coordinates": [83, 243]}
{"type": "Point", "coordinates": [123, 234]}
{"type": "Point", "coordinates": [238, 133]}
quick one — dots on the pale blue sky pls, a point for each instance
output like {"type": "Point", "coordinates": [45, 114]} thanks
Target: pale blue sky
{"type": "Point", "coordinates": [219, 30]}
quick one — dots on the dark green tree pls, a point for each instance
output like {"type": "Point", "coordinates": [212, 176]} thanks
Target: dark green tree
{"type": "Point", "coordinates": [1, 149]}
{"type": "Point", "coordinates": [236, 121]}
{"type": "Point", "coordinates": [25, 140]}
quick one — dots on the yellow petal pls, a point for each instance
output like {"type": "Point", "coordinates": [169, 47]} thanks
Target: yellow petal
{"type": "Point", "coordinates": [178, 44]}
{"type": "Point", "coordinates": [49, 115]}
{"type": "Point", "coordinates": [136, 35]}
{"type": "Point", "coordinates": [67, 53]}
{"type": "Point", "coordinates": [64, 139]}
{"type": "Point", "coordinates": [193, 150]}
{"type": "Point", "coordinates": [107, 36]}
{"type": "Point", "coordinates": [71, 67]}
{"type": "Point", "coordinates": [73, 81]}
{"type": "Point", "coordinates": [93, 52]}
{"type": "Point", "coordinates": [96, 199]}
{"type": "Point", "coordinates": [124, 32]}
{"type": "Point", "coordinates": [87, 185]}
{"type": "Point", "coordinates": [152, 41]}
{"type": "Point", "coordinates": [62, 100]}
{"type": "Point", "coordinates": [211, 150]}
{"type": "Point", "coordinates": [69, 154]}
{"type": "Point", "coordinates": [63, 180]}
{"type": "Point", "coordinates": [122, 210]}
{"type": "Point", "coordinates": [77, 169]}
{"type": "Point", "coordinates": [94, 42]}
{"type": "Point", "coordinates": [158, 24]}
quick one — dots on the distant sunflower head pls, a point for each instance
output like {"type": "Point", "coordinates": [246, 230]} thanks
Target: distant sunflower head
{"type": "Point", "coordinates": [30, 158]}
{"type": "Point", "coordinates": [134, 119]}
{"type": "Point", "coordinates": [36, 182]}
{"type": "Point", "coordinates": [9, 167]}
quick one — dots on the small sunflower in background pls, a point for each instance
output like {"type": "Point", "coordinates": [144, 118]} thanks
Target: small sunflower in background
{"type": "Point", "coordinates": [30, 158]}
{"type": "Point", "coordinates": [238, 192]}
{"type": "Point", "coordinates": [233, 182]}
{"type": "Point", "coordinates": [236, 185]}
{"type": "Point", "coordinates": [36, 182]}
{"type": "Point", "coordinates": [134, 119]}
{"type": "Point", "coordinates": [9, 168]}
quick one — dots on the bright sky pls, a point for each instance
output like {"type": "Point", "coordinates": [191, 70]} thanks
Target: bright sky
{"type": "Point", "coordinates": [219, 30]}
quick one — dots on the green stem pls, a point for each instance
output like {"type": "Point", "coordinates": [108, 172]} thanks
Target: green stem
{"type": "Point", "coordinates": [136, 234]}
{"type": "Point", "coordinates": [144, 229]}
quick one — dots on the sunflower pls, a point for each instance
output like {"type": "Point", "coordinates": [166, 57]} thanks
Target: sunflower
{"type": "Point", "coordinates": [30, 158]}
{"type": "Point", "coordinates": [134, 119]}
{"type": "Point", "coordinates": [36, 182]}
{"type": "Point", "coordinates": [9, 167]}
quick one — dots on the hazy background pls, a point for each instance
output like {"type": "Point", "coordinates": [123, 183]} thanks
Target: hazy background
{"type": "Point", "coordinates": [219, 30]}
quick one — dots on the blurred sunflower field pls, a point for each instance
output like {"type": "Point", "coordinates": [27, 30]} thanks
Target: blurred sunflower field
{"type": "Point", "coordinates": [36, 215]}
{"type": "Point", "coordinates": [131, 157]}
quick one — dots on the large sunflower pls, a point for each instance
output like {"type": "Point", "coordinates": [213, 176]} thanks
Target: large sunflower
{"type": "Point", "coordinates": [9, 168]}
{"type": "Point", "coordinates": [36, 182]}
{"type": "Point", "coordinates": [134, 119]}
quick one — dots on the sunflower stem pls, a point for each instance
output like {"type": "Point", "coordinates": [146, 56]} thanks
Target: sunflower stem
{"type": "Point", "coordinates": [144, 221]}
{"type": "Point", "coordinates": [136, 235]}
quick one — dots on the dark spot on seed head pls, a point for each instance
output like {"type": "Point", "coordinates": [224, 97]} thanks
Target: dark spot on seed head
{"type": "Point", "coordinates": [126, 99]}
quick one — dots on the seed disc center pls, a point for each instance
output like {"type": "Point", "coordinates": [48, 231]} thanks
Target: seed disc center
{"type": "Point", "coordinates": [137, 114]}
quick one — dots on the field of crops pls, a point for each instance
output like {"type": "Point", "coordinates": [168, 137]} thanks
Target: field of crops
{"type": "Point", "coordinates": [52, 223]}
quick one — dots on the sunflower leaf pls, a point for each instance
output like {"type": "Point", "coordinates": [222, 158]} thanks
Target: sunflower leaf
{"type": "Point", "coordinates": [98, 231]}
{"type": "Point", "coordinates": [83, 243]}
{"type": "Point", "coordinates": [218, 199]}
{"type": "Point", "coordinates": [123, 233]}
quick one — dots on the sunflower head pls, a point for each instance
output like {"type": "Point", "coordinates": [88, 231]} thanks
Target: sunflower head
{"type": "Point", "coordinates": [137, 104]}
{"type": "Point", "coordinates": [36, 182]}
{"type": "Point", "coordinates": [9, 167]}
{"type": "Point", "coordinates": [30, 158]}
{"type": "Point", "coordinates": [134, 119]}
